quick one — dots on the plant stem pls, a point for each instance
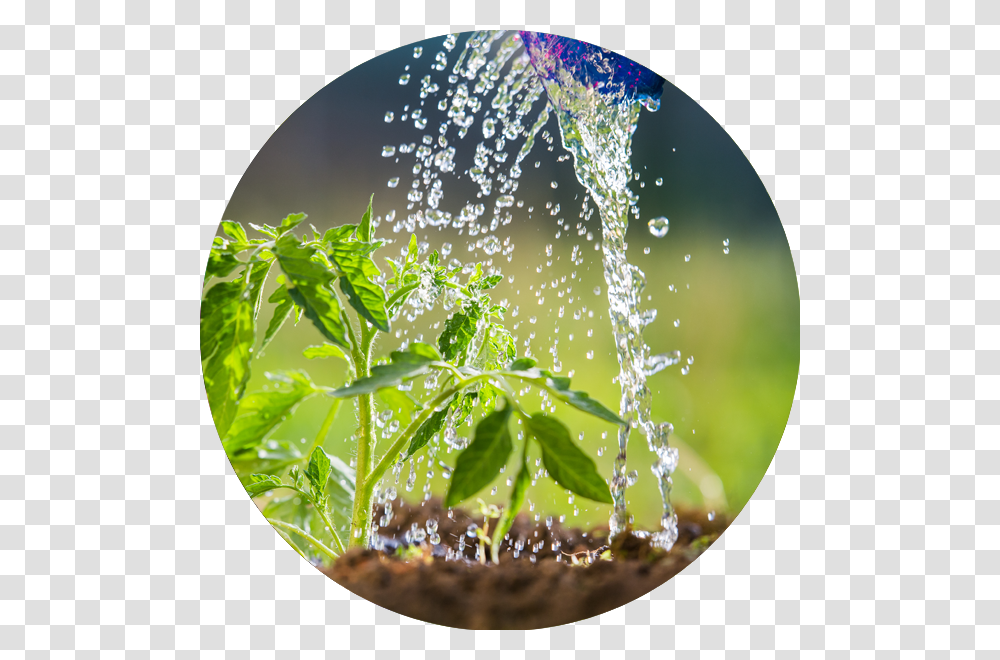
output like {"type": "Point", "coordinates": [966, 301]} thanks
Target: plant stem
{"type": "Point", "coordinates": [323, 514]}
{"type": "Point", "coordinates": [362, 510]}
{"type": "Point", "coordinates": [366, 488]}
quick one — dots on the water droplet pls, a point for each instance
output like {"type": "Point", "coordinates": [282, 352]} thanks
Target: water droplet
{"type": "Point", "coordinates": [590, 355]}
{"type": "Point", "coordinates": [388, 117]}
{"type": "Point", "coordinates": [393, 182]}
{"type": "Point", "coordinates": [645, 250]}
{"type": "Point", "coordinates": [659, 181]}
{"type": "Point", "coordinates": [554, 184]}
{"type": "Point", "coordinates": [687, 257]}
{"type": "Point", "coordinates": [677, 323]}
{"type": "Point", "coordinates": [489, 127]}
{"type": "Point", "coordinates": [417, 51]}
{"type": "Point", "coordinates": [659, 227]}
{"type": "Point", "coordinates": [403, 79]}
{"type": "Point", "coordinates": [388, 151]}
{"type": "Point", "coordinates": [725, 250]}
{"type": "Point", "coordinates": [711, 515]}
{"type": "Point", "coordinates": [597, 290]}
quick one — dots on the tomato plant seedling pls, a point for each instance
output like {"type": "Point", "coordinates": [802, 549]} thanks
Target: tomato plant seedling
{"type": "Point", "coordinates": [333, 281]}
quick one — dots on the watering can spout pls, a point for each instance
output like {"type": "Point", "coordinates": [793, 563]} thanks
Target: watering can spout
{"type": "Point", "coordinates": [617, 78]}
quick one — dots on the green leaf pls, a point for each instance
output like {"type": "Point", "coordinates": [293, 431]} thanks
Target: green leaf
{"type": "Point", "coordinates": [318, 472]}
{"type": "Point", "coordinates": [522, 364]}
{"type": "Point", "coordinates": [365, 228]}
{"type": "Point", "coordinates": [338, 234]}
{"type": "Point", "coordinates": [235, 231]}
{"type": "Point", "coordinates": [363, 293]}
{"type": "Point", "coordinates": [312, 291]}
{"type": "Point", "coordinates": [480, 463]}
{"type": "Point", "coordinates": [426, 431]}
{"type": "Point", "coordinates": [291, 222]}
{"type": "Point", "coordinates": [423, 350]}
{"type": "Point", "coordinates": [465, 407]}
{"type": "Point", "coordinates": [566, 463]}
{"type": "Point", "coordinates": [267, 230]}
{"type": "Point", "coordinates": [405, 364]}
{"type": "Point", "coordinates": [228, 333]}
{"type": "Point", "coordinates": [272, 457]}
{"type": "Point", "coordinates": [221, 264]}
{"type": "Point", "coordinates": [399, 401]}
{"type": "Point", "coordinates": [517, 495]}
{"type": "Point", "coordinates": [262, 483]}
{"type": "Point", "coordinates": [559, 387]}
{"type": "Point", "coordinates": [259, 413]}
{"type": "Point", "coordinates": [282, 309]}
{"type": "Point", "coordinates": [324, 351]}
{"type": "Point", "coordinates": [459, 331]}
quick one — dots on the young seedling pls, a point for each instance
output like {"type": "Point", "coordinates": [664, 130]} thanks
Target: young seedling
{"type": "Point", "coordinates": [333, 281]}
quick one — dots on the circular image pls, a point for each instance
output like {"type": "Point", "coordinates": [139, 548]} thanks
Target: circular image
{"type": "Point", "coordinates": [501, 330]}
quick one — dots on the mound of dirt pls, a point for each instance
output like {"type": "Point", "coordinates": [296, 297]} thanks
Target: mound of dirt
{"type": "Point", "coordinates": [563, 581]}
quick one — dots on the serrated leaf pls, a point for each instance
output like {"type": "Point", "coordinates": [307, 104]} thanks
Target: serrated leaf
{"type": "Point", "coordinates": [426, 431]}
{"type": "Point", "coordinates": [480, 463]}
{"type": "Point", "coordinates": [291, 222]}
{"type": "Point", "coordinates": [221, 264]}
{"type": "Point", "coordinates": [337, 234]}
{"type": "Point", "coordinates": [283, 308]}
{"type": "Point", "coordinates": [465, 407]}
{"type": "Point", "coordinates": [235, 231]}
{"type": "Point", "coordinates": [228, 333]}
{"type": "Point", "coordinates": [318, 472]}
{"type": "Point", "coordinates": [365, 228]}
{"type": "Point", "coordinates": [259, 484]}
{"type": "Point", "coordinates": [324, 351]}
{"type": "Point", "coordinates": [261, 412]}
{"type": "Point", "coordinates": [517, 495]}
{"type": "Point", "coordinates": [267, 230]}
{"type": "Point", "coordinates": [359, 284]}
{"type": "Point", "coordinates": [312, 292]}
{"type": "Point", "coordinates": [565, 462]}
{"type": "Point", "coordinates": [459, 331]}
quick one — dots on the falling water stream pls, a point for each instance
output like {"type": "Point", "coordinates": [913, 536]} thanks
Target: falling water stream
{"type": "Point", "coordinates": [597, 97]}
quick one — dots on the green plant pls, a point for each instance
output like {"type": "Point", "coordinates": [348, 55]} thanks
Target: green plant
{"type": "Point", "coordinates": [472, 370]}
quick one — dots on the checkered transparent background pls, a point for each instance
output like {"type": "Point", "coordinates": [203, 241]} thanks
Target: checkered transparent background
{"type": "Point", "coordinates": [125, 127]}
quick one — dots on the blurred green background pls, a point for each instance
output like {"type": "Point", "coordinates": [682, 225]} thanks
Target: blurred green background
{"type": "Point", "coordinates": [738, 313]}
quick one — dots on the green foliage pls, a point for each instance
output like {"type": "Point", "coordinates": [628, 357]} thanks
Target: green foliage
{"type": "Point", "coordinates": [481, 462]}
{"type": "Point", "coordinates": [473, 361]}
{"type": "Point", "coordinates": [259, 413]}
{"type": "Point", "coordinates": [426, 431]}
{"type": "Point", "coordinates": [310, 277]}
{"type": "Point", "coordinates": [324, 351]}
{"type": "Point", "coordinates": [568, 465]}
{"type": "Point", "coordinates": [228, 333]}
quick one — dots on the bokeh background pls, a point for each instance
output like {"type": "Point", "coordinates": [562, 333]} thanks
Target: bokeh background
{"type": "Point", "coordinates": [738, 313]}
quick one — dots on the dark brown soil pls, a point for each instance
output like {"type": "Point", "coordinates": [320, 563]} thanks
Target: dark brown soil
{"type": "Point", "coordinates": [536, 590]}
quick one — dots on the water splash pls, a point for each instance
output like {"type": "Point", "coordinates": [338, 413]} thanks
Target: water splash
{"type": "Point", "coordinates": [597, 96]}
{"type": "Point", "coordinates": [499, 92]}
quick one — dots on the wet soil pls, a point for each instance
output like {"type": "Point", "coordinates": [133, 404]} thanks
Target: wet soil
{"type": "Point", "coordinates": [563, 581]}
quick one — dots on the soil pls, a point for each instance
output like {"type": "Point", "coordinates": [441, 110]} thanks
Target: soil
{"type": "Point", "coordinates": [436, 584]}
